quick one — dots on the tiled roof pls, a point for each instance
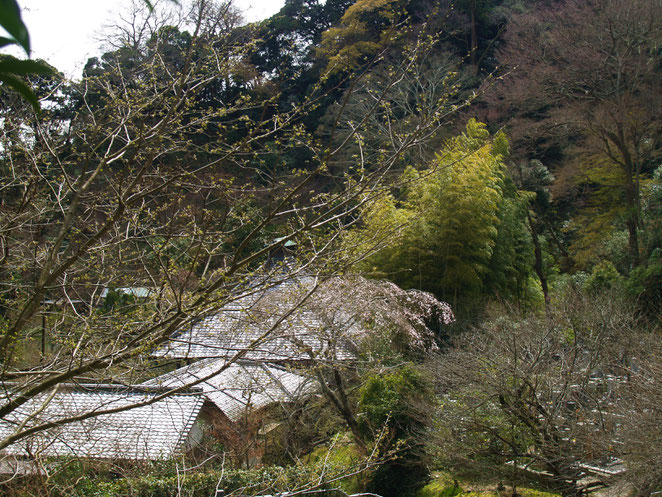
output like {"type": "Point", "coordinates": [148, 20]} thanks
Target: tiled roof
{"type": "Point", "coordinates": [241, 386]}
{"type": "Point", "coordinates": [262, 337]}
{"type": "Point", "coordinates": [148, 432]}
{"type": "Point", "coordinates": [253, 324]}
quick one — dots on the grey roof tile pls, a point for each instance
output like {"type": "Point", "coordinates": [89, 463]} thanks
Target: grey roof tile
{"type": "Point", "coordinates": [227, 333]}
{"type": "Point", "coordinates": [240, 387]}
{"type": "Point", "coordinates": [148, 432]}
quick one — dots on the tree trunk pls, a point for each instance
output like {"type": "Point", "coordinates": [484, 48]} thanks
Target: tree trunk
{"type": "Point", "coordinates": [473, 54]}
{"type": "Point", "coordinates": [539, 268]}
{"type": "Point", "coordinates": [633, 241]}
{"type": "Point", "coordinates": [632, 222]}
{"type": "Point", "coordinates": [632, 202]}
{"type": "Point", "coordinates": [341, 403]}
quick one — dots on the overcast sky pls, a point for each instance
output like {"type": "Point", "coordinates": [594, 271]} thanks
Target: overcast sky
{"type": "Point", "coordinates": [64, 32]}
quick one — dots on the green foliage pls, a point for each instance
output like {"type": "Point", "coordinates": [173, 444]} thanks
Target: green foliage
{"type": "Point", "coordinates": [602, 213]}
{"type": "Point", "coordinates": [645, 285]}
{"type": "Point", "coordinates": [150, 5]}
{"type": "Point", "coordinates": [615, 249]}
{"type": "Point", "coordinates": [391, 400]}
{"type": "Point", "coordinates": [466, 207]}
{"type": "Point", "coordinates": [645, 282]}
{"type": "Point", "coordinates": [10, 20]}
{"type": "Point", "coordinates": [598, 230]}
{"type": "Point", "coordinates": [444, 485]}
{"type": "Point", "coordinates": [288, 39]}
{"type": "Point", "coordinates": [117, 300]}
{"type": "Point", "coordinates": [13, 70]}
{"type": "Point", "coordinates": [362, 31]}
{"type": "Point", "coordinates": [396, 407]}
{"type": "Point", "coordinates": [160, 483]}
{"type": "Point", "coordinates": [602, 239]}
{"type": "Point", "coordinates": [652, 213]}
{"type": "Point", "coordinates": [512, 259]}
{"type": "Point", "coordinates": [460, 226]}
{"type": "Point", "coordinates": [339, 456]}
{"type": "Point", "coordinates": [603, 277]}
{"type": "Point", "coordinates": [439, 489]}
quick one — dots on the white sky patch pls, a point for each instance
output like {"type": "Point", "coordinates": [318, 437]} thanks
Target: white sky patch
{"type": "Point", "coordinates": [65, 32]}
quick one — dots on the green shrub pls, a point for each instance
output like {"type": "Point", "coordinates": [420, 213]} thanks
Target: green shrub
{"type": "Point", "coordinates": [87, 478]}
{"type": "Point", "coordinates": [603, 277]}
{"type": "Point", "coordinates": [195, 484]}
{"type": "Point", "coordinates": [444, 486]}
{"type": "Point", "coordinates": [397, 406]}
{"type": "Point", "coordinates": [341, 457]}
{"type": "Point", "coordinates": [398, 400]}
{"type": "Point", "coordinates": [645, 285]}
{"type": "Point", "coordinates": [565, 283]}
{"type": "Point", "coordinates": [439, 489]}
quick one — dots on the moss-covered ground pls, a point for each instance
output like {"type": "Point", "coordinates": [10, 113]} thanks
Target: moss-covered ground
{"type": "Point", "coordinates": [445, 485]}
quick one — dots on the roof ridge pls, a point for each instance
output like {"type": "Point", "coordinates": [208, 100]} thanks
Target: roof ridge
{"type": "Point", "coordinates": [118, 387]}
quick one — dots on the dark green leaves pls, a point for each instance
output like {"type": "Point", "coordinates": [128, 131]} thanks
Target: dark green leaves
{"type": "Point", "coordinates": [150, 5]}
{"type": "Point", "coordinates": [20, 87]}
{"type": "Point", "coordinates": [9, 64]}
{"type": "Point", "coordinates": [11, 68]}
{"type": "Point", "coordinates": [10, 19]}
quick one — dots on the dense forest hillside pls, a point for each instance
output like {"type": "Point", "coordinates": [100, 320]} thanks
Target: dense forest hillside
{"type": "Point", "coordinates": [444, 218]}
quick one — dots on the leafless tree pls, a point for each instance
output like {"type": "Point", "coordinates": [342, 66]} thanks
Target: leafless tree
{"type": "Point", "coordinates": [642, 416]}
{"type": "Point", "coordinates": [430, 86]}
{"type": "Point", "coordinates": [144, 187]}
{"type": "Point", "coordinates": [545, 395]}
